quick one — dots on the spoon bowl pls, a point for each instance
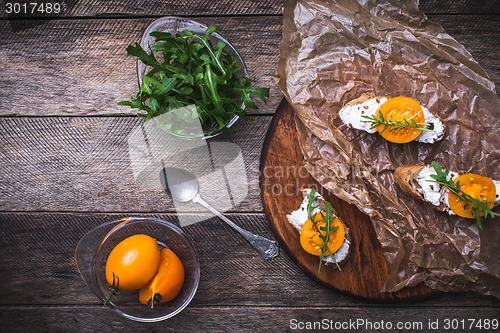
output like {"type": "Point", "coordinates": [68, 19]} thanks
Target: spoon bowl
{"type": "Point", "coordinates": [180, 184]}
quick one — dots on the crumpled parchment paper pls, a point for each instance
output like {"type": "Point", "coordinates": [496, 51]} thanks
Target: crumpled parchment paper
{"type": "Point", "coordinates": [332, 52]}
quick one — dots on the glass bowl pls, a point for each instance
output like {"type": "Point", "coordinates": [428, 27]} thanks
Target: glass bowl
{"type": "Point", "coordinates": [173, 25]}
{"type": "Point", "coordinates": [94, 248]}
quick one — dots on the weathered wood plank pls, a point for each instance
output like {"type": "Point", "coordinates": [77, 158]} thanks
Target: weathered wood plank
{"type": "Point", "coordinates": [459, 7]}
{"type": "Point", "coordinates": [81, 67]}
{"type": "Point", "coordinates": [91, 164]}
{"type": "Point", "coordinates": [244, 319]}
{"type": "Point", "coordinates": [471, 28]}
{"type": "Point", "coordinates": [93, 8]}
{"type": "Point", "coordinates": [156, 8]}
{"type": "Point", "coordinates": [37, 265]}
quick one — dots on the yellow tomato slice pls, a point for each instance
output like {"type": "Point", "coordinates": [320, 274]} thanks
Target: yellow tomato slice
{"type": "Point", "coordinates": [400, 109]}
{"type": "Point", "coordinates": [167, 282]}
{"type": "Point", "coordinates": [478, 187]}
{"type": "Point", "coordinates": [312, 243]}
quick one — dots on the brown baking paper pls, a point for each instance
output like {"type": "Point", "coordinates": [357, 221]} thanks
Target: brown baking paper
{"type": "Point", "coordinates": [332, 52]}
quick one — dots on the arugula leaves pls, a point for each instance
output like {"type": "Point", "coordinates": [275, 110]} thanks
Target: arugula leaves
{"type": "Point", "coordinates": [476, 206]}
{"type": "Point", "coordinates": [191, 72]}
{"type": "Point", "coordinates": [323, 232]}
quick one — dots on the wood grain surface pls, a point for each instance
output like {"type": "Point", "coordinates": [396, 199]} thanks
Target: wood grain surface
{"type": "Point", "coordinates": [283, 176]}
{"type": "Point", "coordinates": [156, 8]}
{"type": "Point", "coordinates": [65, 169]}
{"type": "Point", "coordinates": [83, 164]}
{"type": "Point", "coordinates": [82, 68]}
{"type": "Point", "coordinates": [240, 278]}
{"type": "Point", "coordinates": [254, 319]}
{"type": "Point", "coordinates": [238, 290]}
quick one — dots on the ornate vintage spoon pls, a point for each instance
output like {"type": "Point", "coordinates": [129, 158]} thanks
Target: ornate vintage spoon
{"type": "Point", "coordinates": [183, 187]}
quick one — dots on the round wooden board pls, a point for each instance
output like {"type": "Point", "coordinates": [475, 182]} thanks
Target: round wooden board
{"type": "Point", "coordinates": [282, 176]}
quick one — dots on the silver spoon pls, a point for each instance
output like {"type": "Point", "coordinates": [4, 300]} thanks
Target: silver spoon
{"type": "Point", "coordinates": [183, 187]}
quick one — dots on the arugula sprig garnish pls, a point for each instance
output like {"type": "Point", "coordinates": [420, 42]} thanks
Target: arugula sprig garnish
{"type": "Point", "coordinates": [328, 217]}
{"type": "Point", "coordinates": [192, 72]}
{"type": "Point", "coordinates": [476, 206]}
{"type": "Point", "coordinates": [395, 125]}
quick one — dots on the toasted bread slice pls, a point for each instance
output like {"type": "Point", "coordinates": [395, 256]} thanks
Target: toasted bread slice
{"type": "Point", "coordinates": [406, 177]}
{"type": "Point", "coordinates": [352, 114]}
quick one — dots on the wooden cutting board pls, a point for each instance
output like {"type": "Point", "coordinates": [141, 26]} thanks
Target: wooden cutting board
{"type": "Point", "coordinates": [282, 175]}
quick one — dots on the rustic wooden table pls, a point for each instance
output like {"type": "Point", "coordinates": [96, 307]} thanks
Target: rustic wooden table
{"type": "Point", "coordinates": [65, 169]}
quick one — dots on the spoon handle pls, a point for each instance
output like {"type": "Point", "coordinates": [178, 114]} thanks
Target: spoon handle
{"type": "Point", "coordinates": [265, 247]}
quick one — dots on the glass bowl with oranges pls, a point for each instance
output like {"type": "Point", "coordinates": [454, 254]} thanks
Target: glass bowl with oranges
{"type": "Point", "coordinates": [146, 269]}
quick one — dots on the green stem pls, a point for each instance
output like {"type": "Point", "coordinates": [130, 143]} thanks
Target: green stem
{"type": "Point", "coordinates": [111, 293]}
{"type": "Point", "coordinates": [155, 298]}
{"type": "Point", "coordinates": [215, 59]}
{"type": "Point", "coordinates": [113, 289]}
{"type": "Point", "coordinates": [325, 248]}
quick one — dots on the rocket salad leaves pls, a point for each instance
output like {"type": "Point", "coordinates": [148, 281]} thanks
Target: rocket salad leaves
{"type": "Point", "coordinates": [193, 72]}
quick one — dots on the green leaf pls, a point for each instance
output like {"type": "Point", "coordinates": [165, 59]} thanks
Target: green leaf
{"type": "Point", "coordinates": [147, 59]}
{"type": "Point", "coordinates": [220, 48]}
{"type": "Point", "coordinates": [311, 197]}
{"type": "Point", "coordinates": [153, 104]}
{"type": "Point", "coordinates": [245, 89]}
{"type": "Point", "coordinates": [440, 174]}
{"type": "Point", "coordinates": [187, 33]}
{"type": "Point", "coordinates": [162, 46]}
{"type": "Point", "coordinates": [211, 30]}
{"type": "Point", "coordinates": [328, 218]}
{"type": "Point", "coordinates": [394, 125]}
{"type": "Point", "coordinates": [183, 58]}
{"type": "Point", "coordinates": [133, 104]}
{"type": "Point", "coordinates": [160, 35]}
{"type": "Point", "coordinates": [166, 86]}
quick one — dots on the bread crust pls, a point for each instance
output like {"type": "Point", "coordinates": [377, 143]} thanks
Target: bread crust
{"type": "Point", "coordinates": [406, 177]}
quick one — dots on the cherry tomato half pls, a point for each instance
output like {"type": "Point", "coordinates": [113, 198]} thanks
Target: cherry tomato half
{"type": "Point", "coordinates": [167, 282]}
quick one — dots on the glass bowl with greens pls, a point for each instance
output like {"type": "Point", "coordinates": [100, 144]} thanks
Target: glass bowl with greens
{"type": "Point", "coordinates": [192, 81]}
